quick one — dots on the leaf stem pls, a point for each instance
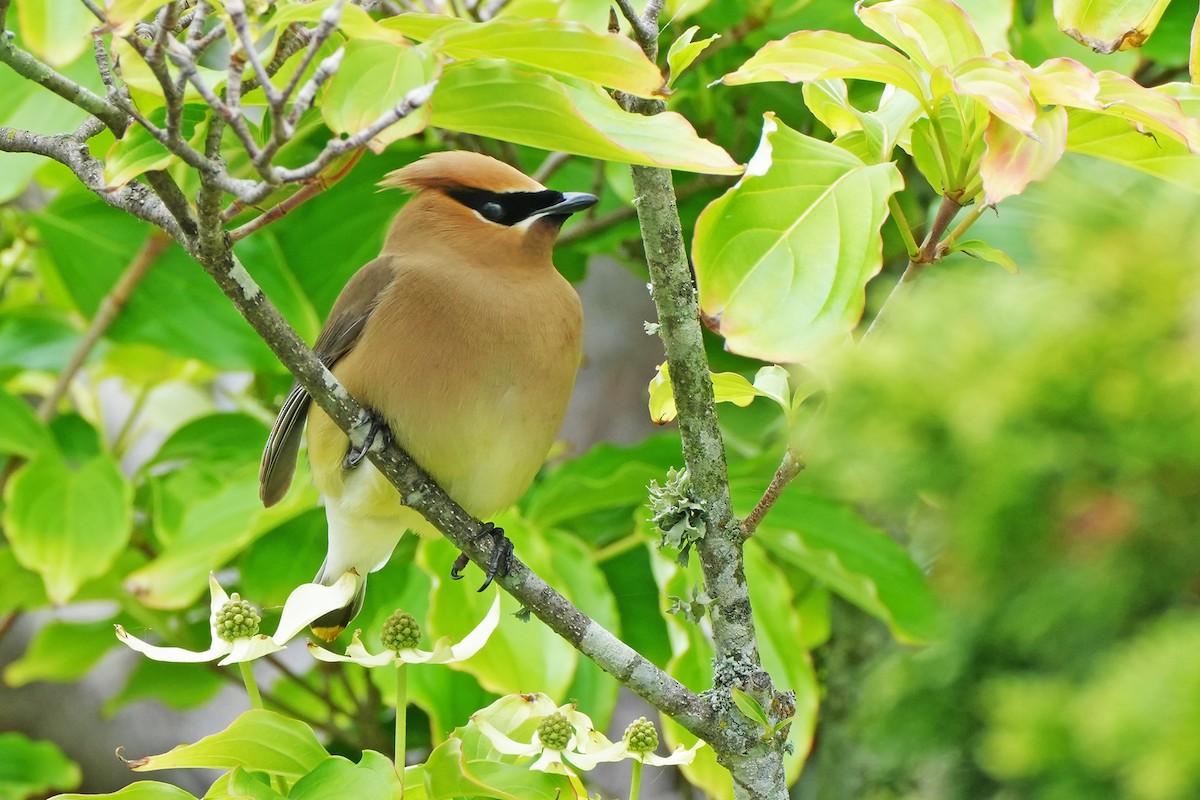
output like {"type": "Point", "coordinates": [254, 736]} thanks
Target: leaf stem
{"type": "Point", "coordinates": [929, 253]}
{"type": "Point", "coordinates": [901, 221]}
{"type": "Point", "coordinates": [961, 228]}
{"type": "Point", "coordinates": [247, 670]}
{"type": "Point", "coordinates": [401, 720]}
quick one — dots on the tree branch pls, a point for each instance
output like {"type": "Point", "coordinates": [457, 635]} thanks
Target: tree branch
{"type": "Point", "coordinates": [789, 468]}
{"type": "Point", "coordinates": [132, 198]}
{"type": "Point", "coordinates": [27, 66]}
{"type": "Point", "coordinates": [757, 772]}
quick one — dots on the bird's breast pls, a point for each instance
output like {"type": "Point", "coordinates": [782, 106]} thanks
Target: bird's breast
{"type": "Point", "coordinates": [472, 372]}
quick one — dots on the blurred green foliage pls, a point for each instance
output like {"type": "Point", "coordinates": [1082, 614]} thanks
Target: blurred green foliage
{"type": "Point", "coordinates": [1039, 438]}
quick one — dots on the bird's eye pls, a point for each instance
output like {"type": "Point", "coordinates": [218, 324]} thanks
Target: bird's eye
{"type": "Point", "coordinates": [492, 211]}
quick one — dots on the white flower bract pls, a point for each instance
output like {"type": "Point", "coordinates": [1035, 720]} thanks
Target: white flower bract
{"type": "Point", "coordinates": [444, 650]}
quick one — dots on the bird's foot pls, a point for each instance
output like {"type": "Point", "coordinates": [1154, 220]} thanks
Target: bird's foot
{"type": "Point", "coordinates": [501, 560]}
{"type": "Point", "coordinates": [356, 454]}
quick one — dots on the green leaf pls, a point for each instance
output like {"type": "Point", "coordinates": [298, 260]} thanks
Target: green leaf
{"type": "Point", "coordinates": [20, 588]}
{"type": "Point", "coordinates": [122, 15]}
{"type": "Point", "coordinates": [831, 542]}
{"type": "Point", "coordinates": [558, 46]}
{"type": "Point", "coordinates": [244, 785]}
{"type": "Point", "coordinates": [783, 257]}
{"type": "Point", "coordinates": [1114, 140]}
{"type": "Point", "coordinates": [337, 778]}
{"type": "Point", "coordinates": [59, 31]}
{"type": "Point", "coordinates": [750, 708]}
{"type": "Point", "coordinates": [354, 22]}
{"type": "Point", "coordinates": [233, 439]}
{"type": "Point", "coordinates": [1013, 159]}
{"type": "Point", "coordinates": [138, 151]}
{"type": "Point", "coordinates": [258, 740]}
{"type": "Point", "coordinates": [817, 55]}
{"type": "Point", "coordinates": [449, 774]}
{"type": "Point", "coordinates": [728, 387]}
{"type": "Point", "coordinates": [61, 652]}
{"type": "Point", "coordinates": [22, 433]}
{"type": "Point", "coordinates": [205, 516]}
{"type": "Point", "coordinates": [492, 98]}
{"type": "Point", "coordinates": [66, 524]}
{"type": "Point", "coordinates": [33, 769]}
{"type": "Point", "coordinates": [1152, 109]}
{"type": "Point", "coordinates": [178, 686]}
{"type": "Point", "coordinates": [606, 477]}
{"type": "Point", "coordinates": [421, 26]}
{"type": "Point", "coordinates": [684, 51]}
{"type": "Point", "coordinates": [934, 33]}
{"type": "Point", "coordinates": [1107, 26]}
{"type": "Point", "coordinates": [374, 77]}
{"type": "Point", "coordinates": [138, 790]}
{"type": "Point", "coordinates": [977, 248]}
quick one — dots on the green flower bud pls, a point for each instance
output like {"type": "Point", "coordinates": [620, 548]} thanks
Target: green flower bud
{"type": "Point", "coordinates": [555, 731]}
{"type": "Point", "coordinates": [237, 619]}
{"type": "Point", "coordinates": [401, 631]}
{"type": "Point", "coordinates": [641, 736]}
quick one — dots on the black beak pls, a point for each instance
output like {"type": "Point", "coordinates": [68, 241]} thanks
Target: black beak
{"type": "Point", "coordinates": [571, 202]}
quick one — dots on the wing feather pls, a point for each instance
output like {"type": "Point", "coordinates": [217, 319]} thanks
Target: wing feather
{"type": "Point", "coordinates": [341, 332]}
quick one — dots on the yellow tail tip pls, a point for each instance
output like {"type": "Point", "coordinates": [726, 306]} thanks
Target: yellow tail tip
{"type": "Point", "coordinates": [328, 634]}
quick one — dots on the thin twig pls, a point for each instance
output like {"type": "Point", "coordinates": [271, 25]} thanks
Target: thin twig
{"type": "Point", "coordinates": [306, 193]}
{"type": "Point", "coordinates": [928, 254]}
{"type": "Point", "coordinates": [789, 468]}
{"type": "Point", "coordinates": [549, 166]}
{"type": "Point", "coordinates": [110, 308]}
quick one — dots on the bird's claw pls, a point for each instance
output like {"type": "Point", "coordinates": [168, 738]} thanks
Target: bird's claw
{"type": "Point", "coordinates": [356, 454]}
{"type": "Point", "coordinates": [498, 564]}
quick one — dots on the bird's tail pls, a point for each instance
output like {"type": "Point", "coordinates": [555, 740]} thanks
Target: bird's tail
{"type": "Point", "coordinates": [330, 625]}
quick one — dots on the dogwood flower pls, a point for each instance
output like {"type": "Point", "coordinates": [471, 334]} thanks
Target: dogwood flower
{"type": "Point", "coordinates": [561, 737]}
{"type": "Point", "coordinates": [235, 636]}
{"type": "Point", "coordinates": [235, 622]}
{"type": "Point", "coordinates": [639, 743]}
{"type": "Point", "coordinates": [400, 637]}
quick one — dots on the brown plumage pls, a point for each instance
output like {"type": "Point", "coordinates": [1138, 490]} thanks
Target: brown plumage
{"type": "Point", "coordinates": [462, 337]}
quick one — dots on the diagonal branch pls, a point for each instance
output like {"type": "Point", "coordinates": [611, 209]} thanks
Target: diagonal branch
{"type": "Point", "coordinates": [422, 494]}
{"type": "Point", "coordinates": [26, 65]}
{"type": "Point", "coordinates": [132, 198]}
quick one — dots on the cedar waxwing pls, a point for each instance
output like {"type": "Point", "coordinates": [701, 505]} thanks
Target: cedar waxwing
{"type": "Point", "coordinates": [462, 337]}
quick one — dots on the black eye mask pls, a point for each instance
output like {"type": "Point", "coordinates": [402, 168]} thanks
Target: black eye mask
{"type": "Point", "coordinates": [506, 208]}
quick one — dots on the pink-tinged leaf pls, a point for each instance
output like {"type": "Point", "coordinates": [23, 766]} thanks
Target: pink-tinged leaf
{"type": "Point", "coordinates": [934, 33]}
{"type": "Point", "coordinates": [813, 55]}
{"type": "Point", "coordinates": [1149, 109]}
{"type": "Point", "coordinates": [1107, 26]}
{"type": "Point", "coordinates": [1064, 82]}
{"type": "Point", "coordinates": [1000, 87]}
{"type": "Point", "coordinates": [1012, 159]}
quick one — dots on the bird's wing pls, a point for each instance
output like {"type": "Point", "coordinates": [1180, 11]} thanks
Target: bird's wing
{"type": "Point", "coordinates": [345, 324]}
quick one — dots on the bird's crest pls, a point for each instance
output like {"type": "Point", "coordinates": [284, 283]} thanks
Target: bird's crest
{"type": "Point", "coordinates": [459, 169]}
